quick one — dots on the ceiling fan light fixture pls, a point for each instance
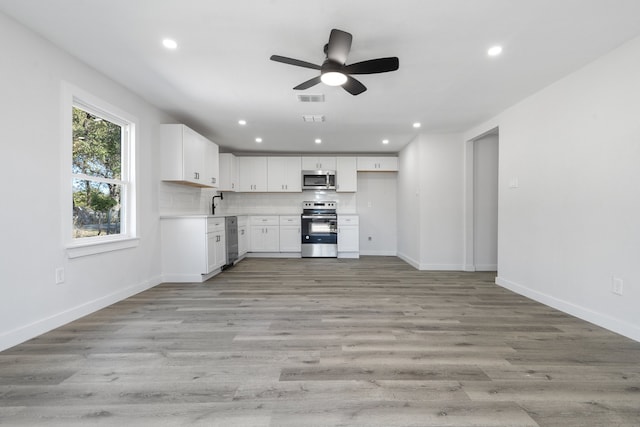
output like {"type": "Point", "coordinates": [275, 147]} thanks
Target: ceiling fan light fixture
{"type": "Point", "coordinates": [333, 78]}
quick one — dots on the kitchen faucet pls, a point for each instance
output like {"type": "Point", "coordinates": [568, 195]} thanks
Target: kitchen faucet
{"type": "Point", "coordinates": [213, 206]}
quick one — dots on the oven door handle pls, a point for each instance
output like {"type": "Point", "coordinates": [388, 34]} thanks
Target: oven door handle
{"type": "Point", "coordinates": [319, 217]}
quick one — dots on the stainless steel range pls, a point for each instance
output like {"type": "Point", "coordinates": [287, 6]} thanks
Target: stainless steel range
{"type": "Point", "coordinates": [319, 229]}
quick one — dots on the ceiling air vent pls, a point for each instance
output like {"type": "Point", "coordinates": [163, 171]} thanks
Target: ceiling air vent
{"type": "Point", "coordinates": [310, 98]}
{"type": "Point", "coordinates": [313, 118]}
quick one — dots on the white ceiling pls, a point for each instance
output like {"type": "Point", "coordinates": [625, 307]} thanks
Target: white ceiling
{"type": "Point", "coordinates": [221, 71]}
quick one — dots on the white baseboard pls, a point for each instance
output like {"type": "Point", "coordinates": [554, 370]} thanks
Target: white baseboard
{"type": "Point", "coordinates": [274, 255]}
{"type": "Point", "coordinates": [353, 255]}
{"type": "Point", "coordinates": [616, 325]}
{"type": "Point", "coordinates": [412, 262]}
{"type": "Point", "coordinates": [378, 253]}
{"type": "Point", "coordinates": [441, 267]}
{"type": "Point", "coordinates": [39, 327]}
{"type": "Point", "coordinates": [486, 267]}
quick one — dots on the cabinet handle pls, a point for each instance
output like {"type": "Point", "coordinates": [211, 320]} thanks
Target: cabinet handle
{"type": "Point", "coordinates": [213, 180]}
{"type": "Point", "coordinates": [233, 185]}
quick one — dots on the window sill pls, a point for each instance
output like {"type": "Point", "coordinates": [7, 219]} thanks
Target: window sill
{"type": "Point", "coordinates": [92, 248]}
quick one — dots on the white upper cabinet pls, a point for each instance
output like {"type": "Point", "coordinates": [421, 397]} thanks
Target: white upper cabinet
{"type": "Point", "coordinates": [228, 172]}
{"type": "Point", "coordinates": [211, 166]}
{"type": "Point", "coordinates": [346, 175]}
{"type": "Point", "coordinates": [284, 174]}
{"type": "Point", "coordinates": [252, 173]}
{"type": "Point", "coordinates": [319, 163]}
{"type": "Point", "coordinates": [377, 164]}
{"type": "Point", "coordinates": [187, 157]}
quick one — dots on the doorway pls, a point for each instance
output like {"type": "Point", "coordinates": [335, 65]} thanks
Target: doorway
{"type": "Point", "coordinates": [481, 202]}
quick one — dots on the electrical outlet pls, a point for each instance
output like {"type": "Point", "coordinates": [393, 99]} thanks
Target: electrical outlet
{"type": "Point", "coordinates": [617, 285]}
{"type": "Point", "coordinates": [59, 275]}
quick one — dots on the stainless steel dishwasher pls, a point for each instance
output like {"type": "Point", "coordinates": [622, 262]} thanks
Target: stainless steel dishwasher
{"type": "Point", "coordinates": [231, 236]}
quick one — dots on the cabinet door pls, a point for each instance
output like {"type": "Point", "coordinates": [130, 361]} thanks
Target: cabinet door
{"type": "Point", "coordinates": [319, 163]}
{"type": "Point", "coordinates": [265, 238]}
{"type": "Point", "coordinates": [378, 164]}
{"type": "Point", "coordinates": [243, 240]}
{"type": "Point", "coordinates": [348, 238]}
{"type": "Point", "coordinates": [221, 249]}
{"type": "Point", "coordinates": [211, 252]}
{"type": "Point", "coordinates": [290, 238]}
{"type": "Point", "coordinates": [193, 157]}
{"type": "Point", "coordinates": [284, 174]}
{"type": "Point", "coordinates": [211, 163]}
{"type": "Point", "coordinates": [346, 174]}
{"type": "Point", "coordinates": [228, 175]}
{"type": "Point", "coordinates": [252, 173]}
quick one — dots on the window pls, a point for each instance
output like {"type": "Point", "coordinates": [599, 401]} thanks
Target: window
{"type": "Point", "coordinates": [97, 175]}
{"type": "Point", "coordinates": [102, 203]}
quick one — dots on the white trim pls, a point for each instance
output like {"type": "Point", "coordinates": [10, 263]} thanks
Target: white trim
{"type": "Point", "coordinates": [412, 262]}
{"type": "Point", "coordinates": [351, 255]}
{"type": "Point", "coordinates": [73, 96]}
{"type": "Point", "coordinates": [616, 325]}
{"type": "Point", "coordinates": [274, 255]}
{"type": "Point", "coordinates": [24, 333]}
{"type": "Point", "coordinates": [486, 267]}
{"type": "Point", "coordinates": [98, 247]}
{"type": "Point", "coordinates": [442, 267]}
{"type": "Point", "coordinates": [378, 253]}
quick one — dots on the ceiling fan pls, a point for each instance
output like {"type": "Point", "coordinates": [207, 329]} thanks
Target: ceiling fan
{"type": "Point", "coordinates": [334, 71]}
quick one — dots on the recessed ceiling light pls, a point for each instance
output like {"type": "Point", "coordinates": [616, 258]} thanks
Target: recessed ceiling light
{"type": "Point", "coordinates": [242, 122]}
{"type": "Point", "coordinates": [318, 141]}
{"type": "Point", "coordinates": [494, 51]}
{"type": "Point", "coordinates": [258, 140]}
{"type": "Point", "coordinates": [169, 43]}
{"type": "Point", "coordinates": [385, 141]}
{"type": "Point", "coordinates": [417, 125]}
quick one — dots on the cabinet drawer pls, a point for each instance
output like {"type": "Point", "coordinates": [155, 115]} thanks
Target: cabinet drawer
{"type": "Point", "coordinates": [290, 220]}
{"type": "Point", "coordinates": [215, 224]}
{"type": "Point", "coordinates": [243, 221]}
{"type": "Point", "coordinates": [347, 219]}
{"type": "Point", "coordinates": [264, 220]}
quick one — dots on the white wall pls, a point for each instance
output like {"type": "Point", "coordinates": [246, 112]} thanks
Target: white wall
{"type": "Point", "coordinates": [485, 203]}
{"type": "Point", "coordinates": [377, 202]}
{"type": "Point", "coordinates": [572, 222]}
{"type": "Point", "coordinates": [430, 202]}
{"type": "Point", "coordinates": [31, 74]}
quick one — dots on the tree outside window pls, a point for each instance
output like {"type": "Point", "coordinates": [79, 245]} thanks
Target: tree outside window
{"type": "Point", "coordinates": [98, 183]}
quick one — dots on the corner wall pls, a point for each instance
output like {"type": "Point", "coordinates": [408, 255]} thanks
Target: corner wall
{"type": "Point", "coordinates": [32, 245]}
{"type": "Point", "coordinates": [430, 202]}
{"type": "Point", "coordinates": [569, 196]}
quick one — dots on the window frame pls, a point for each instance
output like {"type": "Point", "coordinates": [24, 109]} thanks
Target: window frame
{"type": "Point", "coordinates": [127, 238]}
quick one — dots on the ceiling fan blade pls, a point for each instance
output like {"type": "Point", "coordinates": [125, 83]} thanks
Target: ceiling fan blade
{"type": "Point", "coordinates": [353, 86]}
{"type": "Point", "coordinates": [339, 46]}
{"type": "Point", "coordinates": [292, 61]}
{"type": "Point", "coordinates": [309, 83]}
{"type": "Point", "coordinates": [373, 66]}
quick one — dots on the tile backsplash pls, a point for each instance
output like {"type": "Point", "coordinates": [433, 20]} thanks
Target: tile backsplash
{"type": "Point", "coordinates": [177, 199]}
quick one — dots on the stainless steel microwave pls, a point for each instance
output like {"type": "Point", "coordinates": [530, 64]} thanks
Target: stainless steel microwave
{"type": "Point", "coordinates": [318, 180]}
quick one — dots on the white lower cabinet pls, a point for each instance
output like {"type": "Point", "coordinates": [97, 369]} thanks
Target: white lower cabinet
{"type": "Point", "coordinates": [216, 245]}
{"type": "Point", "coordinates": [348, 236]}
{"type": "Point", "coordinates": [290, 233]}
{"type": "Point", "coordinates": [243, 236]}
{"type": "Point", "coordinates": [193, 248]}
{"type": "Point", "coordinates": [264, 233]}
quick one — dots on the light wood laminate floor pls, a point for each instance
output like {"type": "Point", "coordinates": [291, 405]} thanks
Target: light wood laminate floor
{"type": "Point", "coordinates": [324, 342]}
